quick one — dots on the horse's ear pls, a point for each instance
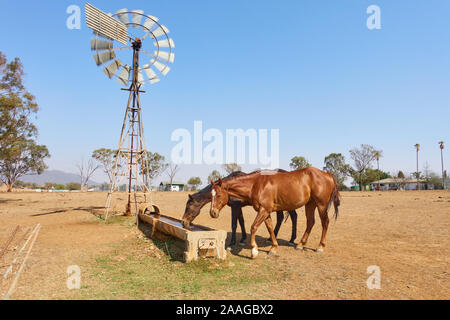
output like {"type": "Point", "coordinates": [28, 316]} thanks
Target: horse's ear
{"type": "Point", "coordinates": [219, 183]}
{"type": "Point", "coordinates": [212, 181]}
{"type": "Point", "coordinates": [191, 197]}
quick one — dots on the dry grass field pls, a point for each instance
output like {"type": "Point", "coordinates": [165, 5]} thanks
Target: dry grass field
{"type": "Point", "coordinates": [406, 234]}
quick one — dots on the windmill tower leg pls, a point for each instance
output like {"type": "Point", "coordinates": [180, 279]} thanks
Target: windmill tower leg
{"type": "Point", "coordinates": [132, 148]}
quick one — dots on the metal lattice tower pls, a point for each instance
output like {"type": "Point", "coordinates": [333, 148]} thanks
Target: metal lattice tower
{"type": "Point", "coordinates": [131, 162]}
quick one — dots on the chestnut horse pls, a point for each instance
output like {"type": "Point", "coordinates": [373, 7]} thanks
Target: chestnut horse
{"type": "Point", "coordinates": [281, 191]}
{"type": "Point", "coordinates": [198, 200]}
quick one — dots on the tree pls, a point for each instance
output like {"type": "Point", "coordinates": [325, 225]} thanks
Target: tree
{"type": "Point", "coordinates": [231, 167]}
{"type": "Point", "coordinates": [362, 159]}
{"type": "Point", "coordinates": [335, 164]}
{"type": "Point", "coordinates": [73, 186]}
{"type": "Point", "coordinates": [107, 158]}
{"type": "Point", "coordinates": [298, 163]}
{"type": "Point", "coordinates": [157, 165]}
{"type": "Point", "coordinates": [195, 182]}
{"type": "Point", "coordinates": [19, 153]}
{"type": "Point", "coordinates": [214, 176]}
{"type": "Point", "coordinates": [85, 171]}
{"type": "Point", "coordinates": [172, 171]}
{"type": "Point", "coordinates": [49, 185]}
{"type": "Point", "coordinates": [399, 179]}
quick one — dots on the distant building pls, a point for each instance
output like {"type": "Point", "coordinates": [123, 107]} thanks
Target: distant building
{"type": "Point", "coordinates": [398, 184]}
{"type": "Point", "coordinates": [174, 187]}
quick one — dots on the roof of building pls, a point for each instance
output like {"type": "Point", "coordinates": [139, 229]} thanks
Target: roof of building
{"type": "Point", "coordinates": [397, 180]}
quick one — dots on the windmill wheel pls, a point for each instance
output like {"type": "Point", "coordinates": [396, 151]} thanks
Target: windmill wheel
{"type": "Point", "coordinates": [116, 35]}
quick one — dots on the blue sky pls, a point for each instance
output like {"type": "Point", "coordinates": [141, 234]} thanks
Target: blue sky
{"type": "Point", "coordinates": [309, 68]}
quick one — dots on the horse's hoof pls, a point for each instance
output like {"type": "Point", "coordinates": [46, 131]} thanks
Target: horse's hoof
{"type": "Point", "coordinates": [299, 248]}
{"type": "Point", "coordinates": [255, 253]}
{"type": "Point", "coordinates": [229, 248]}
{"type": "Point", "coordinates": [320, 250]}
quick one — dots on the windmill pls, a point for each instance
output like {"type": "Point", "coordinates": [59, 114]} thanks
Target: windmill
{"type": "Point", "coordinates": [117, 37]}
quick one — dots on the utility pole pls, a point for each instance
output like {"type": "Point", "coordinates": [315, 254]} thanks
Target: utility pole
{"type": "Point", "coordinates": [417, 146]}
{"type": "Point", "coordinates": [441, 144]}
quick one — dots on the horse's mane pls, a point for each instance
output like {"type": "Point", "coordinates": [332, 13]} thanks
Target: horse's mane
{"type": "Point", "coordinates": [231, 177]}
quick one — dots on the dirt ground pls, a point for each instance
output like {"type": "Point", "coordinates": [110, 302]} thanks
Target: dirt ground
{"type": "Point", "coordinates": [405, 234]}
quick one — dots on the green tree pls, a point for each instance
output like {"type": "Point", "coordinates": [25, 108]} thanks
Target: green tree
{"type": "Point", "coordinates": [19, 153]}
{"type": "Point", "coordinates": [156, 164]}
{"type": "Point", "coordinates": [19, 184]}
{"type": "Point", "coordinates": [73, 186]}
{"type": "Point", "coordinates": [106, 157]}
{"type": "Point", "coordinates": [195, 182]}
{"type": "Point", "coordinates": [298, 163]}
{"type": "Point", "coordinates": [335, 164]}
{"type": "Point", "coordinates": [363, 159]}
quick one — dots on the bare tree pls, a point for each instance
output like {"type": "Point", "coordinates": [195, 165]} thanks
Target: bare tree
{"type": "Point", "coordinates": [85, 171]}
{"type": "Point", "coordinates": [231, 167]}
{"type": "Point", "coordinates": [363, 158]}
{"type": "Point", "coordinates": [400, 180]}
{"type": "Point", "coordinates": [172, 171]}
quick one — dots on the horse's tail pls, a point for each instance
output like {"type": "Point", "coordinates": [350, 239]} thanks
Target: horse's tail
{"type": "Point", "coordinates": [335, 199]}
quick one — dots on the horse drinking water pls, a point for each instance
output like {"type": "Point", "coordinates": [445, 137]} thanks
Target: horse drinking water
{"type": "Point", "coordinates": [281, 191]}
{"type": "Point", "coordinates": [197, 201]}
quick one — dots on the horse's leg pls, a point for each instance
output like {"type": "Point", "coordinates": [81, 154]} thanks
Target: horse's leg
{"type": "Point", "coordinates": [234, 219]}
{"type": "Point", "coordinates": [269, 226]}
{"type": "Point", "coordinates": [280, 218]}
{"type": "Point", "coordinates": [294, 218]}
{"type": "Point", "coordinates": [310, 221]}
{"type": "Point", "coordinates": [260, 218]}
{"type": "Point", "coordinates": [323, 211]}
{"type": "Point", "coordinates": [242, 223]}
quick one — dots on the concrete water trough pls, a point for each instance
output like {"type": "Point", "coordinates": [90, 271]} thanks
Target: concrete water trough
{"type": "Point", "coordinates": [197, 242]}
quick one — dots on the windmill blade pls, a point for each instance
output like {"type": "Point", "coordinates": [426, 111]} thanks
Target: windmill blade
{"type": "Point", "coordinates": [105, 25]}
{"type": "Point", "coordinates": [149, 23]}
{"type": "Point", "coordinates": [161, 67]}
{"type": "Point", "coordinates": [160, 32]}
{"type": "Point", "coordinates": [154, 81]}
{"type": "Point", "coordinates": [151, 75]}
{"type": "Point", "coordinates": [141, 79]}
{"type": "Point", "coordinates": [136, 17]}
{"type": "Point", "coordinates": [122, 14]}
{"type": "Point", "coordinates": [124, 75]}
{"type": "Point", "coordinates": [169, 57]}
{"type": "Point", "coordinates": [111, 70]}
{"type": "Point", "coordinates": [99, 44]}
{"type": "Point", "coordinates": [103, 57]}
{"type": "Point", "coordinates": [167, 43]}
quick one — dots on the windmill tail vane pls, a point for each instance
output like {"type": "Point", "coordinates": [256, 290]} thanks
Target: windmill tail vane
{"type": "Point", "coordinates": [115, 37]}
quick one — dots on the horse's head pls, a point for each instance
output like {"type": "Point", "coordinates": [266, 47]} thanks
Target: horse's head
{"type": "Point", "coordinates": [219, 198]}
{"type": "Point", "coordinates": [193, 207]}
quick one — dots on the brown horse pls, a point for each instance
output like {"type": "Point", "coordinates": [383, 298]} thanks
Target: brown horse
{"type": "Point", "coordinates": [197, 201]}
{"type": "Point", "coordinates": [281, 191]}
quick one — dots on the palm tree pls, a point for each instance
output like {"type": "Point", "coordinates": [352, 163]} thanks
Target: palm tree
{"type": "Point", "coordinates": [378, 154]}
{"type": "Point", "coordinates": [441, 144]}
{"type": "Point", "coordinates": [417, 146]}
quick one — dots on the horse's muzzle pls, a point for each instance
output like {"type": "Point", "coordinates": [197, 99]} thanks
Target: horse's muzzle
{"type": "Point", "coordinates": [214, 214]}
{"type": "Point", "coordinates": [186, 224]}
